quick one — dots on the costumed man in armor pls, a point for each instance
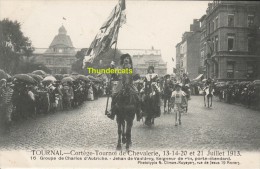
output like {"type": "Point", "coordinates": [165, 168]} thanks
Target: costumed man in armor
{"type": "Point", "coordinates": [124, 86]}
{"type": "Point", "coordinates": [151, 97]}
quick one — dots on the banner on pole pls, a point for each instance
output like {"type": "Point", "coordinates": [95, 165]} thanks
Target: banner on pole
{"type": "Point", "coordinates": [108, 33]}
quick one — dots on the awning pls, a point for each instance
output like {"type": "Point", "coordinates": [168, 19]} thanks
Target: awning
{"type": "Point", "coordinates": [198, 78]}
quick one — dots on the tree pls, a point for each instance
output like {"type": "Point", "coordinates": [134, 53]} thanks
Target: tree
{"type": "Point", "coordinates": [28, 67]}
{"type": "Point", "coordinates": [13, 45]}
{"type": "Point", "coordinates": [80, 54]}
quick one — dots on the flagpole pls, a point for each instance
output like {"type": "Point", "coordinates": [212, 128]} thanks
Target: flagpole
{"type": "Point", "coordinates": [117, 36]}
{"type": "Point", "coordinates": [110, 81]}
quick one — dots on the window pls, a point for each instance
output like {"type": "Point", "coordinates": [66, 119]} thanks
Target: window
{"type": "Point", "coordinates": [152, 64]}
{"type": "Point", "coordinates": [231, 20]}
{"type": "Point", "coordinates": [216, 43]}
{"type": "Point", "coordinates": [231, 42]}
{"type": "Point", "coordinates": [210, 46]}
{"type": "Point", "coordinates": [251, 69]}
{"type": "Point", "coordinates": [213, 25]}
{"type": "Point", "coordinates": [48, 61]}
{"type": "Point", "coordinates": [181, 63]}
{"type": "Point", "coordinates": [202, 58]}
{"type": "Point", "coordinates": [230, 69]}
{"type": "Point", "coordinates": [250, 44]}
{"type": "Point", "coordinates": [216, 22]}
{"type": "Point", "coordinates": [60, 60]}
{"type": "Point", "coordinates": [250, 20]}
{"type": "Point", "coordinates": [213, 45]}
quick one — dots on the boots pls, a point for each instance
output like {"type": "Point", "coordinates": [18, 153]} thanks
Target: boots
{"type": "Point", "coordinates": [138, 112]}
{"type": "Point", "coordinates": [111, 114]}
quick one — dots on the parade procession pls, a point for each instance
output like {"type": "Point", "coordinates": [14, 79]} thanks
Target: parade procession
{"type": "Point", "coordinates": [117, 91]}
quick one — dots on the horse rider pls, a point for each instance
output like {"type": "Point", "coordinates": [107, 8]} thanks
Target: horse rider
{"type": "Point", "coordinates": [150, 80]}
{"type": "Point", "coordinates": [151, 92]}
{"type": "Point", "coordinates": [125, 86]}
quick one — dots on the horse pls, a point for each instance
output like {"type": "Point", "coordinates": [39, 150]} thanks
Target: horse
{"type": "Point", "coordinates": [167, 92]}
{"type": "Point", "coordinates": [125, 108]}
{"type": "Point", "coordinates": [151, 106]}
{"type": "Point", "coordinates": [208, 93]}
{"type": "Point", "coordinates": [125, 104]}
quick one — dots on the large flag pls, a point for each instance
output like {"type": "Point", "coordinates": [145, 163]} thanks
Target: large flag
{"type": "Point", "coordinates": [108, 33]}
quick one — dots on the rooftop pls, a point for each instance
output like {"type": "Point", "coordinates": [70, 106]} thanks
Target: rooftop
{"type": "Point", "coordinates": [62, 39]}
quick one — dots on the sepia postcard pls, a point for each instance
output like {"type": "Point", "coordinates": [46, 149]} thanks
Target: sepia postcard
{"type": "Point", "coordinates": [129, 84]}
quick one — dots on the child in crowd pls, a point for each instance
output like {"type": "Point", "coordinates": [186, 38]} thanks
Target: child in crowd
{"type": "Point", "coordinates": [179, 100]}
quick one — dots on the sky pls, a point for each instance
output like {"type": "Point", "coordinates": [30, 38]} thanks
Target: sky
{"type": "Point", "coordinates": [149, 23]}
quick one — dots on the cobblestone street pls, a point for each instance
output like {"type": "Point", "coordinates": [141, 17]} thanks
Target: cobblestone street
{"type": "Point", "coordinates": [222, 127]}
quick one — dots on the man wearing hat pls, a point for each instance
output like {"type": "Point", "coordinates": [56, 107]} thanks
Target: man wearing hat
{"type": "Point", "coordinates": [125, 85]}
{"type": "Point", "coordinates": [151, 98]}
{"type": "Point", "coordinates": [179, 100]}
{"type": "Point", "coordinates": [167, 91]}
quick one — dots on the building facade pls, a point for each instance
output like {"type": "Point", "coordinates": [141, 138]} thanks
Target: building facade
{"type": "Point", "coordinates": [60, 55]}
{"type": "Point", "coordinates": [230, 40]}
{"type": "Point", "coordinates": [143, 58]}
{"type": "Point", "coordinates": [187, 52]}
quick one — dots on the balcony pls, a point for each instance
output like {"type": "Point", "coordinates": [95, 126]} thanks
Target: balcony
{"type": "Point", "coordinates": [234, 53]}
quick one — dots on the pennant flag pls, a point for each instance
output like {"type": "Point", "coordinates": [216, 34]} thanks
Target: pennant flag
{"type": "Point", "coordinates": [108, 33]}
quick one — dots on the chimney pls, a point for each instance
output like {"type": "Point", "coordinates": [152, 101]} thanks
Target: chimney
{"type": "Point", "coordinates": [210, 5]}
{"type": "Point", "coordinates": [195, 26]}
